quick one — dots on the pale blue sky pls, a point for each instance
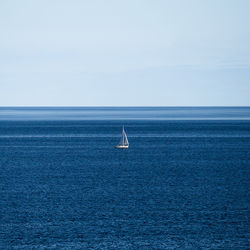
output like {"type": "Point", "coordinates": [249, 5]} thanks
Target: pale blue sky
{"type": "Point", "coordinates": [133, 52]}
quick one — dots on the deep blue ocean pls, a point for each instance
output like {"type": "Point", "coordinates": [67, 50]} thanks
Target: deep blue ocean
{"type": "Point", "coordinates": [182, 184]}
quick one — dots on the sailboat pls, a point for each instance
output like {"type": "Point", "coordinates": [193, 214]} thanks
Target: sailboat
{"type": "Point", "coordinates": [124, 140]}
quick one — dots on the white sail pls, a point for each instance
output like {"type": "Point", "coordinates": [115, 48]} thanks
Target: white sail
{"type": "Point", "coordinates": [124, 140]}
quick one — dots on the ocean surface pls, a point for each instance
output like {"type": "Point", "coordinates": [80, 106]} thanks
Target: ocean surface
{"type": "Point", "coordinates": [182, 184]}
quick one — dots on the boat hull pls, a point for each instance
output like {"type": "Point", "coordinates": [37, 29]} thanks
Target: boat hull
{"type": "Point", "coordinates": [121, 146]}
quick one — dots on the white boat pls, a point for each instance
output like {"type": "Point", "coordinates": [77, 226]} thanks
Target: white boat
{"type": "Point", "coordinates": [124, 140]}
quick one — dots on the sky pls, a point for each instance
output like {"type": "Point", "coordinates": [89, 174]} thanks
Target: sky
{"type": "Point", "coordinates": [125, 53]}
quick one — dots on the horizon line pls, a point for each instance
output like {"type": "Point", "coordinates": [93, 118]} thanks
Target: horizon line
{"type": "Point", "coordinates": [124, 106]}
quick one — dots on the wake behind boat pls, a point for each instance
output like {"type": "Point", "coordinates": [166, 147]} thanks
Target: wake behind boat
{"type": "Point", "coordinates": [124, 140]}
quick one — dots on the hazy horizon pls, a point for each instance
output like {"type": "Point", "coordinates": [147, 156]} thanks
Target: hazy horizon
{"type": "Point", "coordinates": [123, 113]}
{"type": "Point", "coordinates": [123, 106]}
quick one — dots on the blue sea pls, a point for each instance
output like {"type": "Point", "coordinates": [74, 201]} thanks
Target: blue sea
{"type": "Point", "coordinates": [182, 184]}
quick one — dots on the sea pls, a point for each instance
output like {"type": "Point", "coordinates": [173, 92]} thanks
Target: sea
{"type": "Point", "coordinates": [182, 184]}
